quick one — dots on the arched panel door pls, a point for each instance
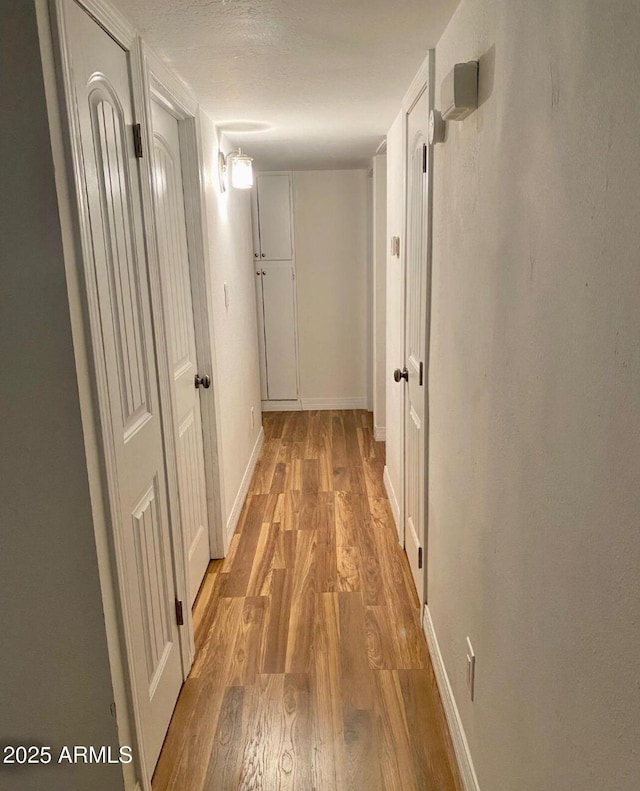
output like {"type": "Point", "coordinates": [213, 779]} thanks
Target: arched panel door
{"type": "Point", "coordinates": [117, 275]}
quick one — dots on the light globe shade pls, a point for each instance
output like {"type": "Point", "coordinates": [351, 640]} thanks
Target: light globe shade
{"type": "Point", "coordinates": [242, 172]}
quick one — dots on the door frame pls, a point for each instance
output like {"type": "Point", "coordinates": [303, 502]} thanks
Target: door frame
{"type": "Point", "coordinates": [162, 86]}
{"type": "Point", "coordinates": [424, 80]}
{"type": "Point", "coordinates": [92, 369]}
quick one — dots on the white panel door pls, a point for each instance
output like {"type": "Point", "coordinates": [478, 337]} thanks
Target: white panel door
{"type": "Point", "coordinates": [280, 331]}
{"type": "Point", "coordinates": [176, 288]}
{"type": "Point", "coordinates": [119, 269]}
{"type": "Point", "coordinates": [274, 213]}
{"type": "Point", "coordinates": [416, 301]}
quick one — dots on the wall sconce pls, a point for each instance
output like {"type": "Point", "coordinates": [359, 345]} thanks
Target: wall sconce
{"type": "Point", "coordinates": [241, 167]}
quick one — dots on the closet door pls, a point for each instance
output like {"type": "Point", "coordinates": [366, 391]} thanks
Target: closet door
{"type": "Point", "coordinates": [280, 331]}
{"type": "Point", "coordinates": [274, 217]}
{"type": "Point", "coordinates": [122, 321]}
{"type": "Point", "coordinates": [174, 269]}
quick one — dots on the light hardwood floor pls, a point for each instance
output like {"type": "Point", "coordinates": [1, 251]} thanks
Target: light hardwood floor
{"type": "Point", "coordinates": [312, 671]}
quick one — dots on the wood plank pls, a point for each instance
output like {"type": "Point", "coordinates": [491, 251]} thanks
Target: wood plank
{"type": "Point", "coordinates": [356, 674]}
{"type": "Point", "coordinates": [259, 509]}
{"type": "Point", "coordinates": [328, 718]}
{"type": "Point", "coordinates": [265, 468]}
{"type": "Point", "coordinates": [327, 560]}
{"type": "Point", "coordinates": [296, 745]}
{"type": "Point", "coordinates": [303, 601]}
{"type": "Point", "coordinates": [259, 583]}
{"type": "Point", "coordinates": [381, 515]}
{"type": "Point", "coordinates": [262, 737]}
{"type": "Point", "coordinates": [394, 747]}
{"type": "Point", "coordinates": [432, 751]}
{"type": "Point", "coordinates": [381, 649]}
{"type": "Point", "coordinates": [348, 568]}
{"type": "Point", "coordinates": [370, 571]}
{"type": "Point", "coordinates": [361, 759]}
{"type": "Point", "coordinates": [276, 632]}
{"type": "Point", "coordinates": [245, 661]}
{"type": "Point", "coordinates": [228, 744]}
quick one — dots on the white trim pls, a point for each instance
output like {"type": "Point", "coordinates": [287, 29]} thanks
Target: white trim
{"type": "Point", "coordinates": [281, 406]}
{"type": "Point", "coordinates": [419, 83]}
{"type": "Point", "coordinates": [393, 500]}
{"type": "Point", "coordinates": [458, 736]}
{"type": "Point", "coordinates": [380, 433]}
{"type": "Point", "coordinates": [334, 403]}
{"type": "Point", "coordinates": [234, 516]}
{"type": "Point", "coordinates": [168, 87]}
{"type": "Point", "coordinates": [116, 25]}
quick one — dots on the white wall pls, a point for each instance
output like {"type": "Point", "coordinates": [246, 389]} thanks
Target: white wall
{"type": "Point", "coordinates": [395, 318]}
{"type": "Point", "coordinates": [379, 222]}
{"type": "Point", "coordinates": [534, 502]}
{"type": "Point", "coordinates": [55, 682]}
{"type": "Point", "coordinates": [330, 226]}
{"type": "Point", "coordinates": [236, 380]}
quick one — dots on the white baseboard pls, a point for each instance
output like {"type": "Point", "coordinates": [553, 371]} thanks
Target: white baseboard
{"type": "Point", "coordinates": [281, 406]}
{"type": "Point", "coordinates": [393, 500]}
{"type": "Point", "coordinates": [380, 433]}
{"type": "Point", "coordinates": [232, 521]}
{"type": "Point", "coordinates": [334, 403]}
{"type": "Point", "coordinates": [458, 737]}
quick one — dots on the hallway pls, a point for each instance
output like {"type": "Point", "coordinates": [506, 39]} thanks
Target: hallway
{"type": "Point", "coordinates": [311, 670]}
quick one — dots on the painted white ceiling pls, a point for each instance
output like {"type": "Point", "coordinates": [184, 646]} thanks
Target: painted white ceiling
{"type": "Point", "coordinates": [325, 76]}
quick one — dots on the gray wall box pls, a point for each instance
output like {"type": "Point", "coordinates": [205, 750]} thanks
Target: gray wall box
{"type": "Point", "coordinates": [459, 92]}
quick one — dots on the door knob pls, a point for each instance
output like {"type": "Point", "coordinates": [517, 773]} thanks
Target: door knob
{"type": "Point", "coordinates": [202, 381]}
{"type": "Point", "coordinates": [398, 374]}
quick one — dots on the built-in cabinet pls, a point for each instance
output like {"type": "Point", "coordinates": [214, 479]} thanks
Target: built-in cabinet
{"type": "Point", "coordinates": [273, 255]}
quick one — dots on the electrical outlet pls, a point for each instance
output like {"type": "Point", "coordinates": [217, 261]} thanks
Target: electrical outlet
{"type": "Point", "coordinates": [253, 418]}
{"type": "Point", "coordinates": [471, 668]}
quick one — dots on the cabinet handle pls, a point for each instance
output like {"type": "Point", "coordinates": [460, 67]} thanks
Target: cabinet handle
{"type": "Point", "coordinates": [258, 272]}
{"type": "Point", "coordinates": [263, 272]}
{"type": "Point", "coordinates": [264, 255]}
{"type": "Point", "coordinates": [255, 255]}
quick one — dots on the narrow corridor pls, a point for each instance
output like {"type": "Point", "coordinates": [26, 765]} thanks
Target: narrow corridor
{"type": "Point", "coordinates": [312, 670]}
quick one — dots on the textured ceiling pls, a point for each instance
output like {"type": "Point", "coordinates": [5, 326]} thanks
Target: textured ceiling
{"type": "Point", "coordinates": [325, 77]}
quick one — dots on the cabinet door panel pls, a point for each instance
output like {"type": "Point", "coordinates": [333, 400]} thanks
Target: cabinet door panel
{"type": "Point", "coordinates": [274, 209]}
{"type": "Point", "coordinates": [280, 332]}
{"type": "Point", "coordinates": [261, 345]}
{"type": "Point", "coordinates": [255, 227]}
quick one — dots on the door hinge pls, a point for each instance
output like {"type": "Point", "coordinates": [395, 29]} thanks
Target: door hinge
{"type": "Point", "coordinates": [179, 613]}
{"type": "Point", "coordinates": [421, 373]}
{"type": "Point", "coordinates": [419, 557]}
{"type": "Point", "coordinates": [137, 140]}
{"type": "Point", "coordinates": [424, 157]}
